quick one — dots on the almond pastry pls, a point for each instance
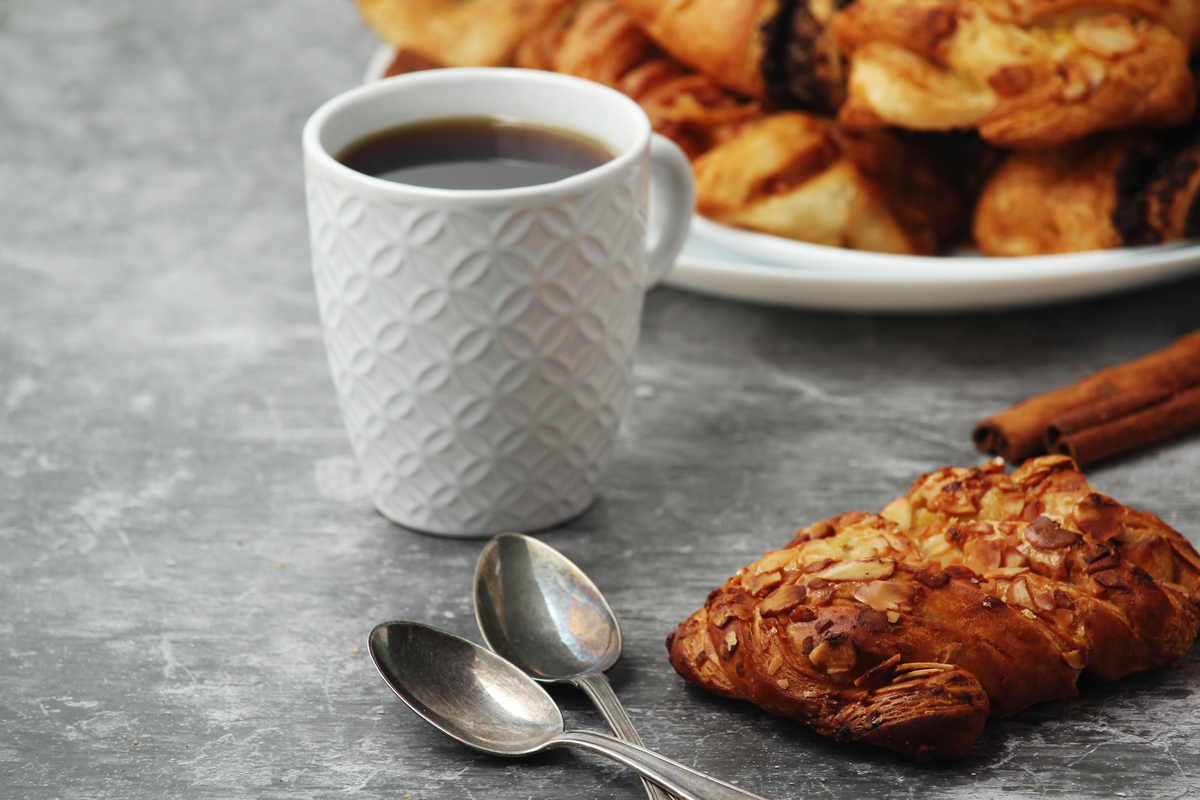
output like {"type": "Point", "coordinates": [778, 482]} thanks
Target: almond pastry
{"type": "Point", "coordinates": [977, 593]}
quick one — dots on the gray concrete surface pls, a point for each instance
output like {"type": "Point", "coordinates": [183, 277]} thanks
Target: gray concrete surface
{"type": "Point", "coordinates": [189, 567]}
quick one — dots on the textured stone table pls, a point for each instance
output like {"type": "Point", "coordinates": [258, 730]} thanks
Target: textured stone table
{"type": "Point", "coordinates": [189, 567]}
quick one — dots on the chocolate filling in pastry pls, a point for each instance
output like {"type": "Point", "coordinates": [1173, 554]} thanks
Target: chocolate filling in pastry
{"type": "Point", "coordinates": [802, 67]}
{"type": "Point", "coordinates": [1158, 188]}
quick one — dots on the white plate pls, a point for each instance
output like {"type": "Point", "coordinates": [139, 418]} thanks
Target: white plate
{"type": "Point", "coordinates": [743, 265]}
{"type": "Point", "coordinates": [749, 266]}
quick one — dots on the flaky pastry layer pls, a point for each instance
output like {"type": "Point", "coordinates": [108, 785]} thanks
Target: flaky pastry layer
{"type": "Point", "coordinates": [977, 593]}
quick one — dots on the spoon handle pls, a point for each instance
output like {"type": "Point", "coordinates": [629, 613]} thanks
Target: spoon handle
{"type": "Point", "coordinates": [687, 783]}
{"type": "Point", "coordinates": [597, 687]}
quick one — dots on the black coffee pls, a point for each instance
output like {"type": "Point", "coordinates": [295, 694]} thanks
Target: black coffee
{"type": "Point", "coordinates": [474, 153]}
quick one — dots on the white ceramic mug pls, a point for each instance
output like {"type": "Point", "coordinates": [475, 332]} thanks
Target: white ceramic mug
{"type": "Point", "coordinates": [481, 340]}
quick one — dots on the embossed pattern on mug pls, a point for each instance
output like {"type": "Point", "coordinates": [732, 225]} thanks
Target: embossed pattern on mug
{"type": "Point", "coordinates": [481, 360]}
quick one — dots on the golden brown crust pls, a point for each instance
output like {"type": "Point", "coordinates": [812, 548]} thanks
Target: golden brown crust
{"type": "Point", "coordinates": [1106, 191]}
{"type": "Point", "coordinates": [787, 173]}
{"type": "Point", "coordinates": [976, 593]}
{"type": "Point", "coordinates": [796, 175]}
{"type": "Point", "coordinates": [1181, 17]}
{"type": "Point", "coordinates": [599, 41]}
{"type": "Point", "coordinates": [1120, 582]}
{"type": "Point", "coordinates": [458, 33]}
{"type": "Point", "coordinates": [1024, 77]}
{"type": "Point", "coordinates": [1054, 201]}
{"type": "Point", "coordinates": [724, 39]}
{"type": "Point", "coordinates": [799, 645]}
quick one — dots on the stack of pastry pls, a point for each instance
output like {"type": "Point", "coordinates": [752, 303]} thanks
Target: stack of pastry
{"type": "Point", "coordinates": [976, 594]}
{"type": "Point", "coordinates": [890, 125]}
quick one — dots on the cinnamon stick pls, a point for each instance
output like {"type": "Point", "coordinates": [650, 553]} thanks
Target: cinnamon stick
{"type": "Point", "coordinates": [1092, 414]}
{"type": "Point", "coordinates": [1178, 413]}
{"type": "Point", "coordinates": [1020, 432]}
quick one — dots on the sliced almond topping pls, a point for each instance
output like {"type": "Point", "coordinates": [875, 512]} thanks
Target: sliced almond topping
{"type": "Point", "coordinates": [1076, 88]}
{"type": "Point", "coordinates": [821, 596]}
{"type": "Point", "coordinates": [1188, 554]}
{"type": "Point", "coordinates": [1043, 598]}
{"type": "Point", "coordinates": [1107, 35]}
{"type": "Point", "coordinates": [783, 599]}
{"type": "Point", "coordinates": [1015, 558]}
{"type": "Point", "coordinates": [937, 546]}
{"type": "Point", "coordinates": [934, 579]}
{"type": "Point", "coordinates": [731, 642]}
{"type": "Point", "coordinates": [820, 530]}
{"type": "Point", "coordinates": [721, 615]}
{"type": "Point", "coordinates": [773, 561]}
{"type": "Point", "coordinates": [1075, 659]}
{"type": "Point", "coordinates": [760, 582]}
{"type": "Point", "coordinates": [951, 497]}
{"type": "Point", "coordinates": [867, 569]}
{"type": "Point", "coordinates": [983, 555]}
{"type": "Point", "coordinates": [950, 653]}
{"type": "Point", "coordinates": [915, 665]}
{"type": "Point", "coordinates": [819, 653]}
{"type": "Point", "coordinates": [1108, 562]}
{"type": "Point", "coordinates": [1028, 613]}
{"type": "Point", "coordinates": [816, 563]}
{"type": "Point", "coordinates": [775, 664]}
{"type": "Point", "coordinates": [782, 683]}
{"type": "Point", "coordinates": [884, 595]}
{"type": "Point", "coordinates": [894, 687]}
{"type": "Point", "coordinates": [878, 669]}
{"type": "Point", "coordinates": [1109, 580]}
{"type": "Point", "coordinates": [899, 511]}
{"type": "Point", "coordinates": [873, 547]}
{"type": "Point", "coordinates": [1004, 573]}
{"type": "Point", "coordinates": [835, 655]}
{"type": "Point", "coordinates": [915, 674]}
{"type": "Point", "coordinates": [1000, 503]}
{"type": "Point", "coordinates": [893, 617]}
{"type": "Point", "coordinates": [1046, 534]}
{"type": "Point", "coordinates": [1018, 594]}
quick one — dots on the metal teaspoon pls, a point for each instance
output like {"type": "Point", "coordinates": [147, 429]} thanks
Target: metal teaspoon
{"type": "Point", "coordinates": [541, 612]}
{"type": "Point", "coordinates": [485, 702]}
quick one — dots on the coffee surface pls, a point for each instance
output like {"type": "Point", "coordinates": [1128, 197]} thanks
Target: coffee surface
{"type": "Point", "coordinates": [474, 153]}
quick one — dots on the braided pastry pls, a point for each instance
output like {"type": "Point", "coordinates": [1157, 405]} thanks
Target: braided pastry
{"type": "Point", "coordinates": [977, 593]}
{"type": "Point", "coordinates": [1105, 191]}
{"type": "Point", "coordinates": [773, 50]}
{"type": "Point", "coordinates": [787, 173]}
{"type": "Point", "coordinates": [597, 40]}
{"type": "Point", "coordinates": [1028, 74]}
{"type": "Point", "coordinates": [457, 33]}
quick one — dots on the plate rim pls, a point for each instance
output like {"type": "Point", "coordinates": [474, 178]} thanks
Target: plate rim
{"type": "Point", "coordinates": [769, 250]}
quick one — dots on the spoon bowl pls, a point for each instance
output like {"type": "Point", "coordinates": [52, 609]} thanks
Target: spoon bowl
{"type": "Point", "coordinates": [464, 690]}
{"type": "Point", "coordinates": [487, 703]}
{"type": "Point", "coordinates": [541, 612]}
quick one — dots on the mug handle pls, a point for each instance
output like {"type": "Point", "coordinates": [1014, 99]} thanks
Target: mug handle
{"type": "Point", "coordinates": [672, 204]}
